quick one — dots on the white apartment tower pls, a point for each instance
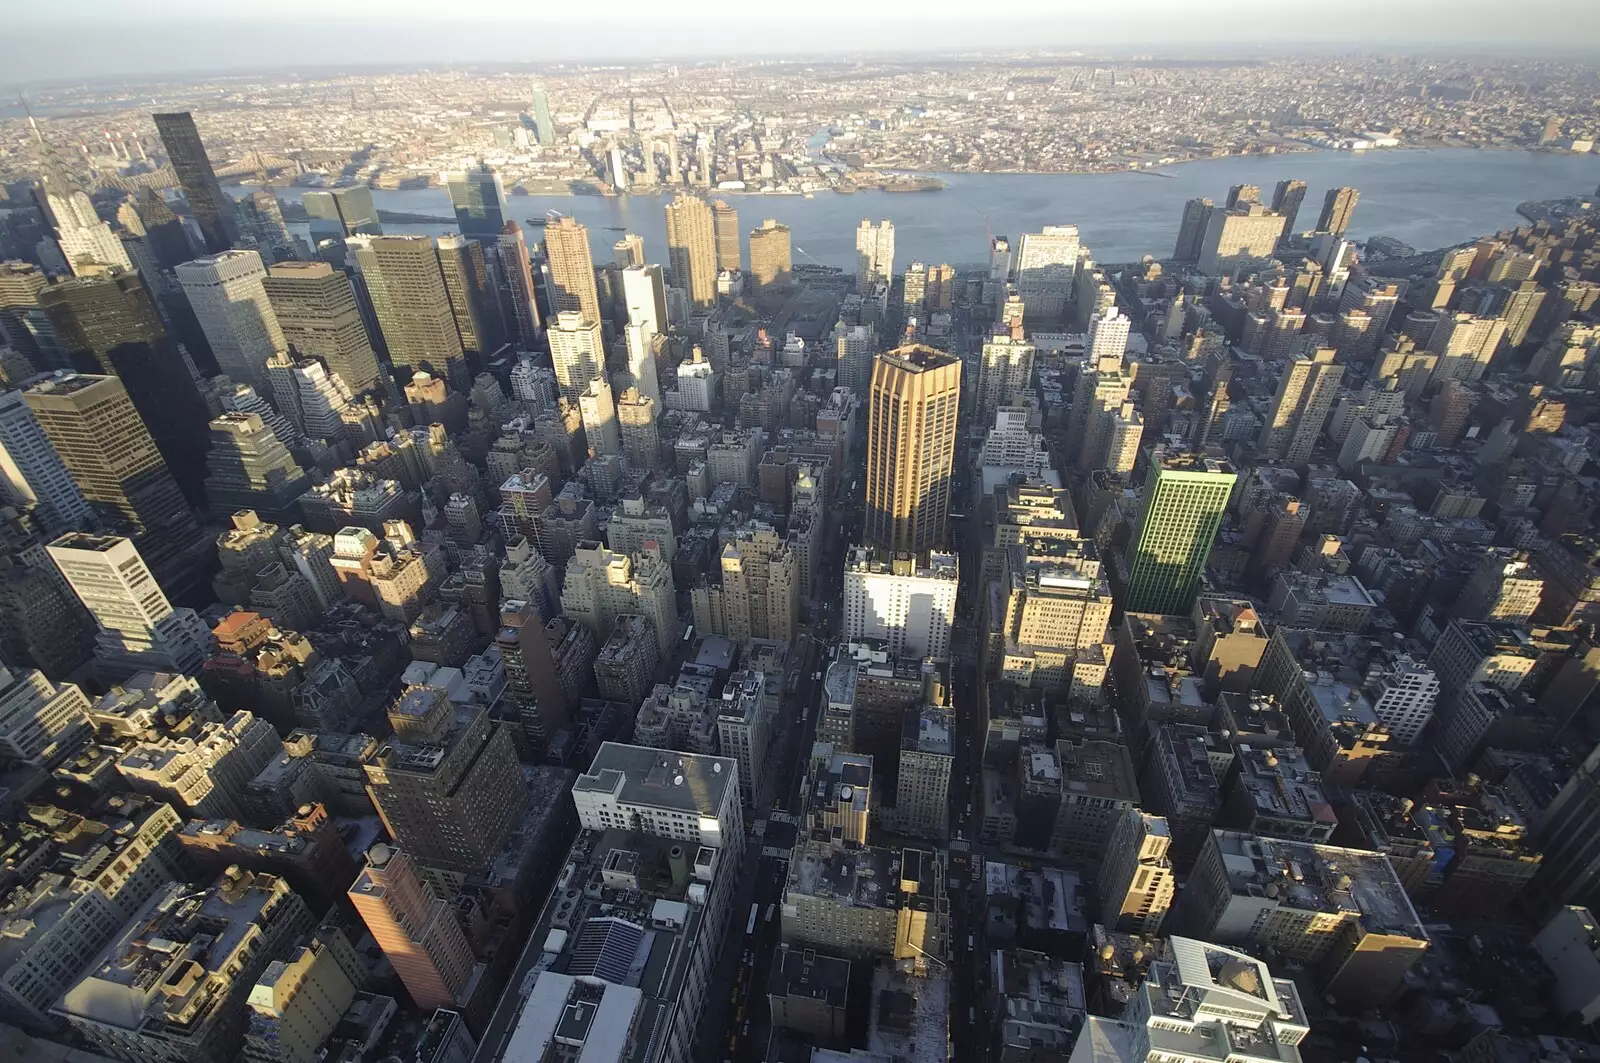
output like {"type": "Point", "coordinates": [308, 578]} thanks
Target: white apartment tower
{"type": "Point", "coordinates": [599, 411]}
{"type": "Point", "coordinates": [230, 301]}
{"type": "Point", "coordinates": [577, 352]}
{"type": "Point", "coordinates": [139, 628]}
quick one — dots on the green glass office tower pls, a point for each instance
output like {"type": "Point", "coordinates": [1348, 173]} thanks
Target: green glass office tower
{"type": "Point", "coordinates": [479, 204]}
{"type": "Point", "coordinates": [1184, 499]}
{"type": "Point", "coordinates": [544, 129]}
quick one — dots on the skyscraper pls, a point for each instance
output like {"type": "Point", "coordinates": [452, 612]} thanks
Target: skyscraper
{"type": "Point", "coordinates": [725, 223]}
{"type": "Point", "coordinates": [31, 471]}
{"type": "Point", "coordinates": [577, 353]}
{"type": "Point", "coordinates": [163, 232]}
{"type": "Point", "coordinates": [1181, 508]}
{"type": "Point", "coordinates": [1243, 195]}
{"type": "Point", "coordinates": [317, 314]}
{"type": "Point", "coordinates": [543, 128]}
{"type": "Point", "coordinates": [94, 427]}
{"type": "Point", "coordinates": [1239, 235]}
{"type": "Point", "coordinates": [411, 302]}
{"type": "Point", "coordinates": [418, 931]}
{"type": "Point", "coordinates": [479, 202]}
{"type": "Point", "coordinates": [516, 275]}
{"type": "Point", "coordinates": [251, 469]}
{"type": "Point", "coordinates": [472, 296]}
{"type": "Point", "coordinates": [84, 239]}
{"type": "Point", "coordinates": [1004, 374]}
{"type": "Point", "coordinates": [446, 784]}
{"type": "Point", "coordinates": [1337, 207]}
{"type": "Point", "coordinates": [644, 290]}
{"type": "Point", "coordinates": [230, 302]}
{"type": "Point", "coordinates": [109, 325]}
{"type": "Point", "coordinates": [213, 208]}
{"type": "Point", "coordinates": [1192, 230]}
{"type": "Point", "coordinates": [600, 418]}
{"type": "Point", "coordinates": [531, 680]}
{"type": "Point", "coordinates": [1047, 271]}
{"type": "Point", "coordinates": [342, 212]}
{"type": "Point", "coordinates": [914, 397]}
{"type": "Point", "coordinates": [139, 628]}
{"type": "Point", "coordinates": [770, 256]}
{"type": "Point", "coordinates": [572, 286]}
{"type": "Point", "coordinates": [23, 323]}
{"type": "Point", "coordinates": [1286, 200]}
{"type": "Point", "coordinates": [692, 250]}
{"type": "Point", "coordinates": [1305, 396]}
{"type": "Point", "coordinates": [628, 251]}
{"type": "Point", "coordinates": [874, 255]}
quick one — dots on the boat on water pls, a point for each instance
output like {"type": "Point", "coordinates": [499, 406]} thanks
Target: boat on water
{"type": "Point", "coordinates": [615, 229]}
{"type": "Point", "coordinates": [537, 223]}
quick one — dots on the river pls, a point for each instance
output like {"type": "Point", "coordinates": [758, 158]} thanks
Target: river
{"type": "Point", "coordinates": [1427, 199]}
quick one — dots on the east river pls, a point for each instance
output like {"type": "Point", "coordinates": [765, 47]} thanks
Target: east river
{"type": "Point", "coordinates": [1427, 199]}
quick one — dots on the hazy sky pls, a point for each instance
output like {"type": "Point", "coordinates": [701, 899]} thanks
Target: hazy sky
{"type": "Point", "coordinates": [84, 38]}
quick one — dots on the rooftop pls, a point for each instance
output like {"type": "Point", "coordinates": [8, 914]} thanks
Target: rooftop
{"type": "Point", "coordinates": [1320, 878]}
{"type": "Point", "coordinates": [928, 730]}
{"type": "Point", "coordinates": [638, 775]}
{"type": "Point", "coordinates": [619, 938]}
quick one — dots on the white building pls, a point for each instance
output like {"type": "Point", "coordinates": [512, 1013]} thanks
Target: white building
{"type": "Point", "coordinates": [1108, 335]}
{"type": "Point", "coordinates": [534, 383]}
{"type": "Point", "coordinates": [599, 412]}
{"type": "Point", "coordinates": [230, 301]}
{"type": "Point", "coordinates": [1403, 693]}
{"type": "Point", "coordinates": [577, 352]}
{"type": "Point", "coordinates": [31, 472]}
{"type": "Point", "coordinates": [687, 796]}
{"type": "Point", "coordinates": [909, 602]}
{"type": "Point", "coordinates": [645, 293]}
{"type": "Point", "coordinates": [39, 721]}
{"type": "Point", "coordinates": [642, 342]}
{"type": "Point", "coordinates": [139, 628]}
{"type": "Point", "coordinates": [1209, 1005]}
{"type": "Point", "coordinates": [1047, 271]}
{"type": "Point", "coordinates": [697, 383]}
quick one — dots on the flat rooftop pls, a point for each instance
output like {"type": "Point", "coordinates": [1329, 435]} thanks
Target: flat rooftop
{"type": "Point", "coordinates": [1320, 878]}
{"type": "Point", "coordinates": [639, 775]}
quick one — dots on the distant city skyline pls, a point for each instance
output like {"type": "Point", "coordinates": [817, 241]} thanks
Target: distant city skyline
{"type": "Point", "coordinates": [177, 37]}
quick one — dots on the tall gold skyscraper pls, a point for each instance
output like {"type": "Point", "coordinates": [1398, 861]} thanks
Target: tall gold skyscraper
{"type": "Point", "coordinates": [572, 287]}
{"type": "Point", "coordinates": [692, 249]}
{"type": "Point", "coordinates": [725, 222]}
{"type": "Point", "coordinates": [770, 258]}
{"type": "Point", "coordinates": [911, 444]}
{"type": "Point", "coordinates": [407, 286]}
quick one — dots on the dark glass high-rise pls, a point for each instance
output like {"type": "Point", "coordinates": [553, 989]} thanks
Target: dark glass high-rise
{"type": "Point", "coordinates": [110, 326]}
{"type": "Point", "coordinates": [213, 208]}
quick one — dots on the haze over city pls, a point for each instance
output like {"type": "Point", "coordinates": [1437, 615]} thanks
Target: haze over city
{"type": "Point", "coordinates": [663, 533]}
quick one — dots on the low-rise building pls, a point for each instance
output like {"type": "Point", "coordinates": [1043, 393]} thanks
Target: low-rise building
{"type": "Point", "coordinates": [175, 984]}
